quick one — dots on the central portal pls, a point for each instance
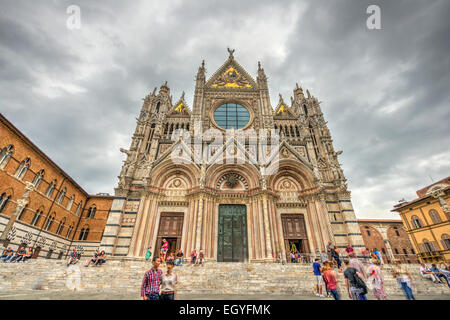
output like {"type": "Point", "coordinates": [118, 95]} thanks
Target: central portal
{"type": "Point", "coordinates": [232, 242]}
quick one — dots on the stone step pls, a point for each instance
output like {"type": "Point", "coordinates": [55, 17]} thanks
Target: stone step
{"type": "Point", "coordinates": [212, 278]}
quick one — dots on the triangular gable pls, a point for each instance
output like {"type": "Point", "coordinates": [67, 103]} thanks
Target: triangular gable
{"type": "Point", "coordinates": [290, 149]}
{"type": "Point", "coordinates": [231, 75]}
{"type": "Point", "coordinates": [180, 108]}
{"type": "Point", "coordinates": [179, 152]}
{"type": "Point", "coordinates": [283, 111]}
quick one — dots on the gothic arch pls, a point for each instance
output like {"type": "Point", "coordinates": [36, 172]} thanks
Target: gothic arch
{"type": "Point", "coordinates": [247, 173]}
{"type": "Point", "coordinates": [296, 170]}
{"type": "Point", "coordinates": [167, 169]}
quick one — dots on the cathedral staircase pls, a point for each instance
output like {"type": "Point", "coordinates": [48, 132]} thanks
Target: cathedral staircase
{"type": "Point", "coordinates": [211, 279]}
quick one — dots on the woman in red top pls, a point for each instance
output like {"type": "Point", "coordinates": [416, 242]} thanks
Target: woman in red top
{"type": "Point", "coordinates": [332, 280]}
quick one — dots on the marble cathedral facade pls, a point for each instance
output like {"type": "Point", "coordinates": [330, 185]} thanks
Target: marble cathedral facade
{"type": "Point", "coordinates": [233, 211]}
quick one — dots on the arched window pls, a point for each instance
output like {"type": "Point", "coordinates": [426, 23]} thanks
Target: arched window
{"type": "Point", "coordinates": [61, 196]}
{"type": "Point", "coordinates": [84, 233]}
{"type": "Point", "coordinates": [367, 230]}
{"type": "Point", "coordinates": [91, 212]}
{"type": "Point", "coordinates": [158, 105]}
{"type": "Point", "coordinates": [38, 178]}
{"type": "Point", "coordinates": [396, 250]}
{"type": "Point", "coordinates": [36, 217]}
{"type": "Point", "coordinates": [396, 232]}
{"type": "Point", "coordinates": [445, 242]}
{"type": "Point", "coordinates": [22, 168]}
{"type": "Point", "coordinates": [19, 215]}
{"type": "Point", "coordinates": [3, 201]}
{"type": "Point", "coordinates": [5, 155]}
{"type": "Point", "coordinates": [427, 246]}
{"type": "Point", "coordinates": [405, 252]}
{"type": "Point", "coordinates": [434, 216]}
{"type": "Point", "coordinates": [78, 208]}
{"type": "Point", "coordinates": [51, 188]}
{"type": "Point", "coordinates": [49, 222]}
{"type": "Point", "coordinates": [69, 231]}
{"type": "Point", "coordinates": [305, 109]}
{"type": "Point", "coordinates": [70, 203]}
{"type": "Point", "coordinates": [416, 222]}
{"type": "Point", "coordinates": [61, 226]}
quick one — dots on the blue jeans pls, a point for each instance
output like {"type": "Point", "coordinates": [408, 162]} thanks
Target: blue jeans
{"type": "Point", "coordinates": [152, 296]}
{"type": "Point", "coordinates": [335, 294]}
{"type": "Point", "coordinates": [7, 257]}
{"type": "Point", "coordinates": [167, 297]}
{"type": "Point", "coordinates": [407, 290]}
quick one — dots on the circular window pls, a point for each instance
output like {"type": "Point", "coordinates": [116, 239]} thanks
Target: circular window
{"type": "Point", "coordinates": [231, 115]}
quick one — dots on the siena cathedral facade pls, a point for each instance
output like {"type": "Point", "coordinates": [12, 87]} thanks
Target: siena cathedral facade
{"type": "Point", "coordinates": [193, 175]}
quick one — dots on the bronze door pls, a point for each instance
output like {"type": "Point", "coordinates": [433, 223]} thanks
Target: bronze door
{"type": "Point", "coordinates": [171, 229]}
{"type": "Point", "coordinates": [294, 231]}
{"type": "Point", "coordinates": [232, 235]}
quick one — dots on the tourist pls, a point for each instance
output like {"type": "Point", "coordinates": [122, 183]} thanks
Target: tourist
{"type": "Point", "coordinates": [348, 249]}
{"type": "Point", "coordinates": [148, 254]}
{"type": "Point", "coordinates": [94, 258]}
{"type": "Point", "coordinates": [378, 254]}
{"type": "Point", "coordinates": [164, 249]}
{"type": "Point", "coordinates": [73, 258]}
{"type": "Point", "coordinates": [375, 279]}
{"type": "Point", "coordinates": [201, 257]}
{"type": "Point", "coordinates": [373, 255]}
{"type": "Point", "coordinates": [332, 279]}
{"type": "Point", "coordinates": [317, 269]}
{"type": "Point", "coordinates": [329, 247]}
{"type": "Point", "coordinates": [7, 254]}
{"type": "Point", "coordinates": [28, 255]}
{"type": "Point", "coordinates": [101, 259]}
{"type": "Point", "coordinates": [168, 283]}
{"type": "Point", "coordinates": [356, 288]}
{"type": "Point", "coordinates": [193, 257]}
{"type": "Point", "coordinates": [19, 255]}
{"type": "Point", "coordinates": [324, 256]}
{"type": "Point", "coordinates": [366, 255]}
{"type": "Point", "coordinates": [292, 257]}
{"type": "Point", "coordinates": [335, 256]}
{"type": "Point", "coordinates": [439, 275]}
{"type": "Point", "coordinates": [355, 263]}
{"type": "Point", "coordinates": [444, 269]}
{"type": "Point", "coordinates": [179, 258]}
{"type": "Point", "coordinates": [152, 281]}
{"type": "Point", "coordinates": [404, 280]}
{"type": "Point", "coordinates": [171, 257]}
{"type": "Point", "coordinates": [325, 267]}
{"type": "Point", "coordinates": [427, 274]}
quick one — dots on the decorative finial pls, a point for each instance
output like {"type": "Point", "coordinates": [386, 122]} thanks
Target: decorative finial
{"type": "Point", "coordinates": [281, 97]}
{"type": "Point", "coordinates": [230, 51]}
{"type": "Point", "coordinates": [182, 96]}
{"type": "Point", "coordinates": [165, 83]}
{"type": "Point", "coordinates": [154, 91]}
{"type": "Point", "coordinates": [259, 65]}
{"type": "Point", "coordinates": [296, 86]}
{"type": "Point", "coordinates": [203, 63]}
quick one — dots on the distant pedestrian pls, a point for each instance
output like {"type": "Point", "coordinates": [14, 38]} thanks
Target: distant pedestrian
{"type": "Point", "coordinates": [404, 280]}
{"type": "Point", "coordinates": [348, 249]}
{"type": "Point", "coordinates": [378, 254]}
{"type": "Point", "coordinates": [164, 249]}
{"type": "Point", "coordinates": [148, 254]}
{"type": "Point", "coordinates": [355, 263]}
{"type": "Point", "coordinates": [152, 281]}
{"type": "Point", "coordinates": [376, 280]}
{"type": "Point", "coordinates": [356, 288]}
{"type": "Point", "coordinates": [331, 277]}
{"type": "Point", "coordinates": [317, 269]}
{"type": "Point", "coordinates": [169, 282]}
{"type": "Point", "coordinates": [366, 255]}
{"type": "Point", "coordinates": [329, 247]}
{"type": "Point", "coordinates": [335, 255]}
{"type": "Point", "coordinates": [193, 257]}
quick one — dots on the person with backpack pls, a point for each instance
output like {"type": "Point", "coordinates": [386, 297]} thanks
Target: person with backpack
{"type": "Point", "coordinates": [356, 288]}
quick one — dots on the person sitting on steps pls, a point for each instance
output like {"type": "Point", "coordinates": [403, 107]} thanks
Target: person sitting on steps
{"type": "Point", "coordinates": [94, 258]}
{"type": "Point", "coordinates": [101, 258]}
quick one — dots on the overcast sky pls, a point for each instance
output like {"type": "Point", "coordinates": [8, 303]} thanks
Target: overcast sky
{"type": "Point", "coordinates": [385, 93]}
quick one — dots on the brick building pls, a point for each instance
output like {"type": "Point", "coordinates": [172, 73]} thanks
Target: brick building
{"type": "Point", "coordinates": [389, 237]}
{"type": "Point", "coordinates": [41, 206]}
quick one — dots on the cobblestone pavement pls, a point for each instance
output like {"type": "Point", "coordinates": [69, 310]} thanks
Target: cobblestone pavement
{"type": "Point", "coordinates": [117, 295]}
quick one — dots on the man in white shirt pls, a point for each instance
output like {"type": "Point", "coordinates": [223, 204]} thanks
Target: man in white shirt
{"type": "Point", "coordinates": [426, 273]}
